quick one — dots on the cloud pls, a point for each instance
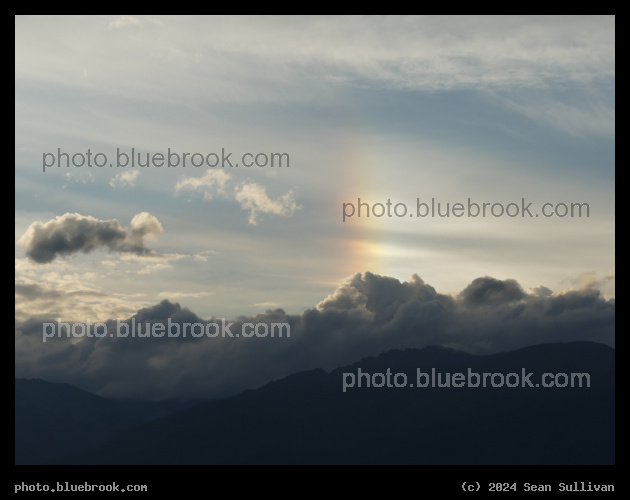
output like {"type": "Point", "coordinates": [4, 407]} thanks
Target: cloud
{"type": "Point", "coordinates": [145, 225]}
{"type": "Point", "coordinates": [121, 21]}
{"type": "Point", "coordinates": [253, 197]}
{"type": "Point", "coordinates": [203, 256]}
{"type": "Point", "coordinates": [364, 316]}
{"type": "Point", "coordinates": [93, 289]}
{"type": "Point", "coordinates": [72, 233]}
{"type": "Point", "coordinates": [77, 295]}
{"type": "Point", "coordinates": [78, 178]}
{"type": "Point", "coordinates": [488, 291]}
{"type": "Point", "coordinates": [125, 21]}
{"type": "Point", "coordinates": [124, 179]}
{"type": "Point", "coordinates": [292, 55]}
{"type": "Point", "coordinates": [114, 288]}
{"type": "Point", "coordinates": [542, 291]}
{"type": "Point", "coordinates": [183, 295]}
{"type": "Point", "coordinates": [213, 181]}
{"type": "Point", "coordinates": [587, 280]}
{"type": "Point", "coordinates": [592, 113]}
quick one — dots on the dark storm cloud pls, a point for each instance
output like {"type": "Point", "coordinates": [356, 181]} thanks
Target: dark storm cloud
{"type": "Point", "coordinates": [364, 316]}
{"type": "Point", "coordinates": [71, 233]}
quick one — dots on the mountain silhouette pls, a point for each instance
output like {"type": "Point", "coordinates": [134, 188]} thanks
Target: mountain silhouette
{"type": "Point", "coordinates": [307, 418]}
{"type": "Point", "coordinates": [54, 419]}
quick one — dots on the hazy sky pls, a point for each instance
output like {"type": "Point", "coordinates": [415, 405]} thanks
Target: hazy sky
{"type": "Point", "coordinates": [495, 109]}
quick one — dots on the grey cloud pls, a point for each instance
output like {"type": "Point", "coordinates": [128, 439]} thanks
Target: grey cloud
{"type": "Point", "coordinates": [365, 316]}
{"type": "Point", "coordinates": [542, 291]}
{"type": "Point", "coordinates": [71, 233]}
{"type": "Point", "coordinates": [33, 291]}
{"type": "Point", "coordinates": [487, 291]}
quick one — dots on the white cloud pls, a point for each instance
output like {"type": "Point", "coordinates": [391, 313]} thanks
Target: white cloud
{"type": "Point", "coordinates": [123, 179]}
{"type": "Point", "coordinates": [145, 224]}
{"type": "Point", "coordinates": [213, 181]}
{"type": "Point", "coordinates": [253, 197]}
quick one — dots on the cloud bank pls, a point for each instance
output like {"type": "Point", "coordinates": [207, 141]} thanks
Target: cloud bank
{"type": "Point", "coordinates": [364, 316]}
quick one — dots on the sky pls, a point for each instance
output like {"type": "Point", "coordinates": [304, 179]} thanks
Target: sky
{"type": "Point", "coordinates": [512, 111]}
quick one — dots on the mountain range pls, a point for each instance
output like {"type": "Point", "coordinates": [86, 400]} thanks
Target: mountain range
{"type": "Point", "coordinates": [319, 417]}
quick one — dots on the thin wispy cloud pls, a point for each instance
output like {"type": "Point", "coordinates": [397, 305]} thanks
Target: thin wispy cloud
{"type": "Point", "coordinates": [183, 295]}
{"type": "Point", "coordinates": [213, 181]}
{"type": "Point", "coordinates": [124, 179]}
{"type": "Point", "coordinates": [78, 179]}
{"type": "Point", "coordinates": [125, 21]}
{"type": "Point", "coordinates": [419, 52]}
